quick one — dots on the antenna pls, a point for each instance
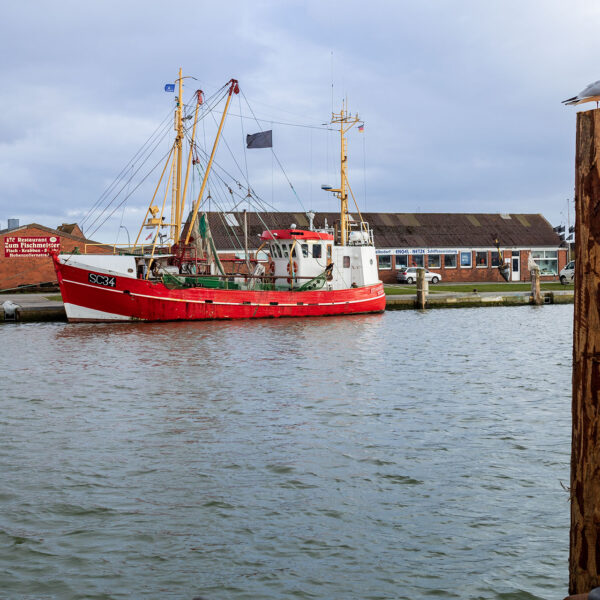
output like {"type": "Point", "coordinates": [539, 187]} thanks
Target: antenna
{"type": "Point", "coordinates": [332, 81]}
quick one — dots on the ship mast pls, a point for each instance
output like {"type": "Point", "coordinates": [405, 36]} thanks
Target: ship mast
{"type": "Point", "coordinates": [346, 122]}
{"type": "Point", "coordinates": [176, 201]}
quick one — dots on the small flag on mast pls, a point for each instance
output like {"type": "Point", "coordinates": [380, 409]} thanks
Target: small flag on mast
{"type": "Point", "coordinates": [149, 237]}
{"type": "Point", "coordinates": [263, 139]}
{"type": "Point", "coordinates": [169, 87]}
{"type": "Point", "coordinates": [361, 127]}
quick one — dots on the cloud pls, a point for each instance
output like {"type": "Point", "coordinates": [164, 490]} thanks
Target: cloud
{"type": "Point", "coordinates": [461, 99]}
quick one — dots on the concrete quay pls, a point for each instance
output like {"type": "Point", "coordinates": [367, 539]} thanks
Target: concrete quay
{"type": "Point", "coordinates": [475, 299]}
{"type": "Point", "coordinates": [30, 308]}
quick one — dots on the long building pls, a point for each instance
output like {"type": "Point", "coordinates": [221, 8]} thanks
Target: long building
{"type": "Point", "coordinates": [461, 247]}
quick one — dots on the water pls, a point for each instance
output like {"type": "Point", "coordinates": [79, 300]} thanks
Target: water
{"type": "Point", "coordinates": [407, 455]}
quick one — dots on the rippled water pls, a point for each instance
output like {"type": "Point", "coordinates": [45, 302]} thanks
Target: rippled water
{"type": "Point", "coordinates": [406, 455]}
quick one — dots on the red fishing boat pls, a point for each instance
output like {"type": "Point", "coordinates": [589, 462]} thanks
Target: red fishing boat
{"type": "Point", "coordinates": [179, 276]}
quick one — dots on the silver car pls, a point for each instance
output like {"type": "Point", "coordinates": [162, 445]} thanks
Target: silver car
{"type": "Point", "coordinates": [409, 275]}
{"type": "Point", "coordinates": [567, 273]}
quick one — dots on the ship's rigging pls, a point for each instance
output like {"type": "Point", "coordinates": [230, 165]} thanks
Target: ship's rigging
{"type": "Point", "coordinates": [224, 192]}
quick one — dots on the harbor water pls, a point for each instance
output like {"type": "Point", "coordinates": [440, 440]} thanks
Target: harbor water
{"type": "Point", "coordinates": [398, 456]}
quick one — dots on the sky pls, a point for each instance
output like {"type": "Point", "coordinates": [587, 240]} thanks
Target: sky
{"type": "Point", "coordinates": [461, 101]}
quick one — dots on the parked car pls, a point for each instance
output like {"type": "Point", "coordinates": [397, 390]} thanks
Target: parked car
{"type": "Point", "coordinates": [409, 275]}
{"type": "Point", "coordinates": [567, 273]}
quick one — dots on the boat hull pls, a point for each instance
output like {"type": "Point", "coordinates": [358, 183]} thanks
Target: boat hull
{"type": "Point", "coordinates": [91, 299]}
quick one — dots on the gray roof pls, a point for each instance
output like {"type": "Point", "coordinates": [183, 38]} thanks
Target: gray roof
{"type": "Point", "coordinates": [401, 230]}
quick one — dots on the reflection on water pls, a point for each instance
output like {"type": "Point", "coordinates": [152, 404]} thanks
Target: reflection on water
{"type": "Point", "coordinates": [404, 455]}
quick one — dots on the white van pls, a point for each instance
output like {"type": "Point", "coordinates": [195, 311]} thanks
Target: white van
{"type": "Point", "coordinates": [567, 273]}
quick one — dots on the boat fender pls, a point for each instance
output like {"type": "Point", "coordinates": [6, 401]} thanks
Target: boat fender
{"type": "Point", "coordinates": [293, 264]}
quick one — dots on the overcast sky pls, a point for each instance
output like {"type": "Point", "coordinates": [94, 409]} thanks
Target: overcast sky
{"type": "Point", "coordinates": [460, 99]}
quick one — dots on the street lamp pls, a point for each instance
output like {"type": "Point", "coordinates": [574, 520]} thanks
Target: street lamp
{"type": "Point", "coordinates": [127, 231]}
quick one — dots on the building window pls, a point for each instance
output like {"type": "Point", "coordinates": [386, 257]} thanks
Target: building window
{"type": "Point", "coordinates": [465, 260]}
{"type": "Point", "coordinates": [401, 262]}
{"type": "Point", "coordinates": [347, 262]}
{"type": "Point", "coordinates": [481, 259]}
{"type": "Point", "coordinates": [384, 262]}
{"type": "Point", "coordinates": [450, 261]}
{"type": "Point", "coordinates": [434, 261]}
{"type": "Point", "coordinates": [546, 260]}
{"type": "Point", "coordinates": [316, 251]}
{"type": "Point", "coordinates": [495, 259]}
{"type": "Point", "coordinates": [418, 260]}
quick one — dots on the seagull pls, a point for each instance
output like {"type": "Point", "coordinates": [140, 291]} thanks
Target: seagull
{"type": "Point", "coordinates": [590, 94]}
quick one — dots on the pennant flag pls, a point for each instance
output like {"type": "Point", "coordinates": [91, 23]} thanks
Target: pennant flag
{"type": "Point", "coordinates": [169, 87]}
{"type": "Point", "coordinates": [361, 127]}
{"type": "Point", "coordinates": [149, 237]}
{"type": "Point", "coordinates": [263, 139]}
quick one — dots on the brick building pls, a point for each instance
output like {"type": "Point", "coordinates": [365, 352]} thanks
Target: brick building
{"type": "Point", "coordinates": [458, 246]}
{"type": "Point", "coordinates": [24, 259]}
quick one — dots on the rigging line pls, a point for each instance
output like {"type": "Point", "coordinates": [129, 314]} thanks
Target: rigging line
{"type": "Point", "coordinates": [124, 169]}
{"type": "Point", "coordinates": [275, 156]}
{"type": "Point", "coordinates": [218, 167]}
{"type": "Point", "coordinates": [227, 228]}
{"type": "Point", "coordinates": [243, 138]}
{"type": "Point", "coordinates": [162, 159]}
{"type": "Point", "coordinates": [99, 211]}
{"type": "Point", "coordinates": [163, 124]}
{"type": "Point", "coordinates": [258, 120]}
{"type": "Point", "coordinates": [224, 139]}
{"type": "Point", "coordinates": [365, 170]}
{"type": "Point", "coordinates": [124, 185]}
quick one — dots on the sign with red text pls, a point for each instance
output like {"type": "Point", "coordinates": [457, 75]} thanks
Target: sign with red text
{"type": "Point", "coordinates": [30, 246]}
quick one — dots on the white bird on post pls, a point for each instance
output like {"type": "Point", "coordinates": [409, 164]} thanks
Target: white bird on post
{"type": "Point", "coordinates": [590, 94]}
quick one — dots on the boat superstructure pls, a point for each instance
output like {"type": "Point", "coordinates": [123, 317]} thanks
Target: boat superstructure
{"type": "Point", "coordinates": [180, 276]}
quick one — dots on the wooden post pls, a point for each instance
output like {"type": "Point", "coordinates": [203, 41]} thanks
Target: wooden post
{"type": "Point", "coordinates": [584, 555]}
{"type": "Point", "coordinates": [422, 289]}
{"type": "Point", "coordinates": [535, 286]}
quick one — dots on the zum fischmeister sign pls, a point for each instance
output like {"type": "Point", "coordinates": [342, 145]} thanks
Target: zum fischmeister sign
{"type": "Point", "coordinates": [30, 246]}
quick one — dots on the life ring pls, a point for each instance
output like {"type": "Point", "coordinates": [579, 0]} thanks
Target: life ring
{"type": "Point", "coordinates": [292, 265]}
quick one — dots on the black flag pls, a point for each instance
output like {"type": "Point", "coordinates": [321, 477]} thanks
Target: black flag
{"type": "Point", "coordinates": [263, 139]}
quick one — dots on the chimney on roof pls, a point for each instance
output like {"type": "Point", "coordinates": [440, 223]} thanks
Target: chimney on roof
{"type": "Point", "coordinates": [13, 223]}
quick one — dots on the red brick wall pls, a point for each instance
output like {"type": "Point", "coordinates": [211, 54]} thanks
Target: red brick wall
{"type": "Point", "coordinates": [25, 270]}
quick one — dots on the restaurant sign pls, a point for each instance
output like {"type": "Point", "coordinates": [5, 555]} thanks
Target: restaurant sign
{"type": "Point", "coordinates": [30, 246]}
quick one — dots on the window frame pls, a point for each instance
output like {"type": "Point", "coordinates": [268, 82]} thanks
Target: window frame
{"type": "Point", "coordinates": [398, 257]}
{"type": "Point", "coordinates": [384, 268]}
{"type": "Point", "coordinates": [439, 261]}
{"type": "Point", "coordinates": [455, 257]}
{"type": "Point", "coordinates": [477, 264]}
{"type": "Point", "coordinates": [419, 257]}
{"type": "Point", "coordinates": [468, 253]}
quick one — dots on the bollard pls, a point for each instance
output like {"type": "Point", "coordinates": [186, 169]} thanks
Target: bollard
{"type": "Point", "coordinates": [536, 295]}
{"type": "Point", "coordinates": [422, 289]}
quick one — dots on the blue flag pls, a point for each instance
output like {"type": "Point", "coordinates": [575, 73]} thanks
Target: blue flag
{"type": "Point", "coordinates": [169, 87]}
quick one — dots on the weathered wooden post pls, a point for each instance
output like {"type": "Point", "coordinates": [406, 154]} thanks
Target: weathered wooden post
{"type": "Point", "coordinates": [536, 294]}
{"type": "Point", "coordinates": [422, 288]}
{"type": "Point", "coordinates": [584, 556]}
